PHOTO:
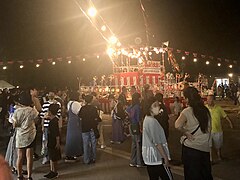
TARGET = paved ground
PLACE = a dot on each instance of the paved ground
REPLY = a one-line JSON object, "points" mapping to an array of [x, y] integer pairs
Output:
{"points": [[112, 162]]}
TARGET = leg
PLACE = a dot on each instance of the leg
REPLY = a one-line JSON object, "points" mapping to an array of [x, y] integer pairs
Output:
{"points": [[86, 139], [139, 158], [29, 155], [153, 172], [93, 146], [192, 163], [133, 159], [20, 161], [206, 169], [53, 166]]}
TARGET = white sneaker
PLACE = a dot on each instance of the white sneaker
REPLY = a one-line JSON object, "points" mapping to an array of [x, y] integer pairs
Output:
{"points": [[45, 160], [103, 146]]}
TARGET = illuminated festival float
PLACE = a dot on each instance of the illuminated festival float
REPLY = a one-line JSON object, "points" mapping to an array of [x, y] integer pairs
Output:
{"points": [[140, 64]]}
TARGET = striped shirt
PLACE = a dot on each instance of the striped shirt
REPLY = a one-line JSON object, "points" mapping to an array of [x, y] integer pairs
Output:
{"points": [[45, 108]]}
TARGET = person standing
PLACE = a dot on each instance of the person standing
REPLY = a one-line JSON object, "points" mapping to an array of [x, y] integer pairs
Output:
{"points": [[195, 124], [162, 116], [45, 123], [37, 105], [123, 96], [89, 117], [217, 113], [154, 147], [24, 122], [118, 115], [54, 147], [134, 113], [74, 142]]}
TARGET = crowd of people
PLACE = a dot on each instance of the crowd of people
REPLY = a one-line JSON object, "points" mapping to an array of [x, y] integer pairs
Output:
{"points": [[145, 119]]}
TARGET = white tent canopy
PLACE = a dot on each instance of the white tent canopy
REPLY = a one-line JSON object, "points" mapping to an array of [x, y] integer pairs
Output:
{"points": [[4, 84]]}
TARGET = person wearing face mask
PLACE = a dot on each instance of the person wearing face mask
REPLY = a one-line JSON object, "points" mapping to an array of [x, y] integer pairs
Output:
{"points": [[155, 150]]}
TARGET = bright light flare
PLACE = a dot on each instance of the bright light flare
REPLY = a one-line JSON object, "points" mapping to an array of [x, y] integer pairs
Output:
{"points": [[69, 62], [103, 28], [183, 58], [219, 64], [84, 59], [230, 75], [37, 65], [113, 40], [195, 60], [207, 62], [110, 51], [53, 63], [230, 66], [92, 12], [21, 66], [4, 67]]}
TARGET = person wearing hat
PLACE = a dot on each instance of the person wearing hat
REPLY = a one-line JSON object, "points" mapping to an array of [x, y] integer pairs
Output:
{"points": [[217, 113], [24, 122]]}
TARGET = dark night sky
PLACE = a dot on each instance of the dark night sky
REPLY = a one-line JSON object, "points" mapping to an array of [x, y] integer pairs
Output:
{"points": [[57, 28]]}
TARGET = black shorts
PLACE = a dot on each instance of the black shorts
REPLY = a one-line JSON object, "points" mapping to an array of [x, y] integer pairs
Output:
{"points": [[54, 154]]}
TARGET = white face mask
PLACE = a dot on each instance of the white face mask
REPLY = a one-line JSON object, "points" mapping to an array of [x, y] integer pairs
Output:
{"points": [[155, 110]]}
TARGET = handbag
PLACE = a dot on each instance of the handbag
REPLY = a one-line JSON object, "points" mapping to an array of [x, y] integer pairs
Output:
{"points": [[135, 129], [96, 133]]}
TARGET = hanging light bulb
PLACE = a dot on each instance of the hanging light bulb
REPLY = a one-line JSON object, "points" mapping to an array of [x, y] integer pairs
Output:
{"points": [[183, 57], [4, 67], [84, 59], [103, 28], [230, 66], [98, 56], [37, 65], [207, 62], [53, 63], [69, 62], [219, 64], [21, 66], [195, 60]]}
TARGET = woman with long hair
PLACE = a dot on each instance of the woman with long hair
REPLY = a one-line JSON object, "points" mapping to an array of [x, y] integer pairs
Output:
{"points": [[195, 124]]}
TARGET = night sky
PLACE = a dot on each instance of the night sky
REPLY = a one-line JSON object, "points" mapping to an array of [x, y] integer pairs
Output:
{"points": [[41, 29]]}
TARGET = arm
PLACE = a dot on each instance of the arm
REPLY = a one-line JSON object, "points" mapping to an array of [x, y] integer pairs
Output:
{"points": [[179, 125], [163, 154], [58, 142], [229, 121]]}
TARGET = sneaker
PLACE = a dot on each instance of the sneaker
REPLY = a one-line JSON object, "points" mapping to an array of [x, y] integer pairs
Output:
{"points": [[132, 165], [103, 146], [70, 159], [53, 175], [140, 166], [45, 160], [46, 175]]}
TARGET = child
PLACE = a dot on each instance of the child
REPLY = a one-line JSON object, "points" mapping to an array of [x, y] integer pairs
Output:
{"points": [[53, 141]]}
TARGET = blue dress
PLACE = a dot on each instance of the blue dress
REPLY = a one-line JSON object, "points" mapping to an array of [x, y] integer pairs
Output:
{"points": [[74, 141]]}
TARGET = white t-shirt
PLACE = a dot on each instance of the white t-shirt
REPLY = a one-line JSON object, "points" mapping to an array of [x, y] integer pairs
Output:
{"points": [[201, 140], [76, 106], [153, 134]]}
